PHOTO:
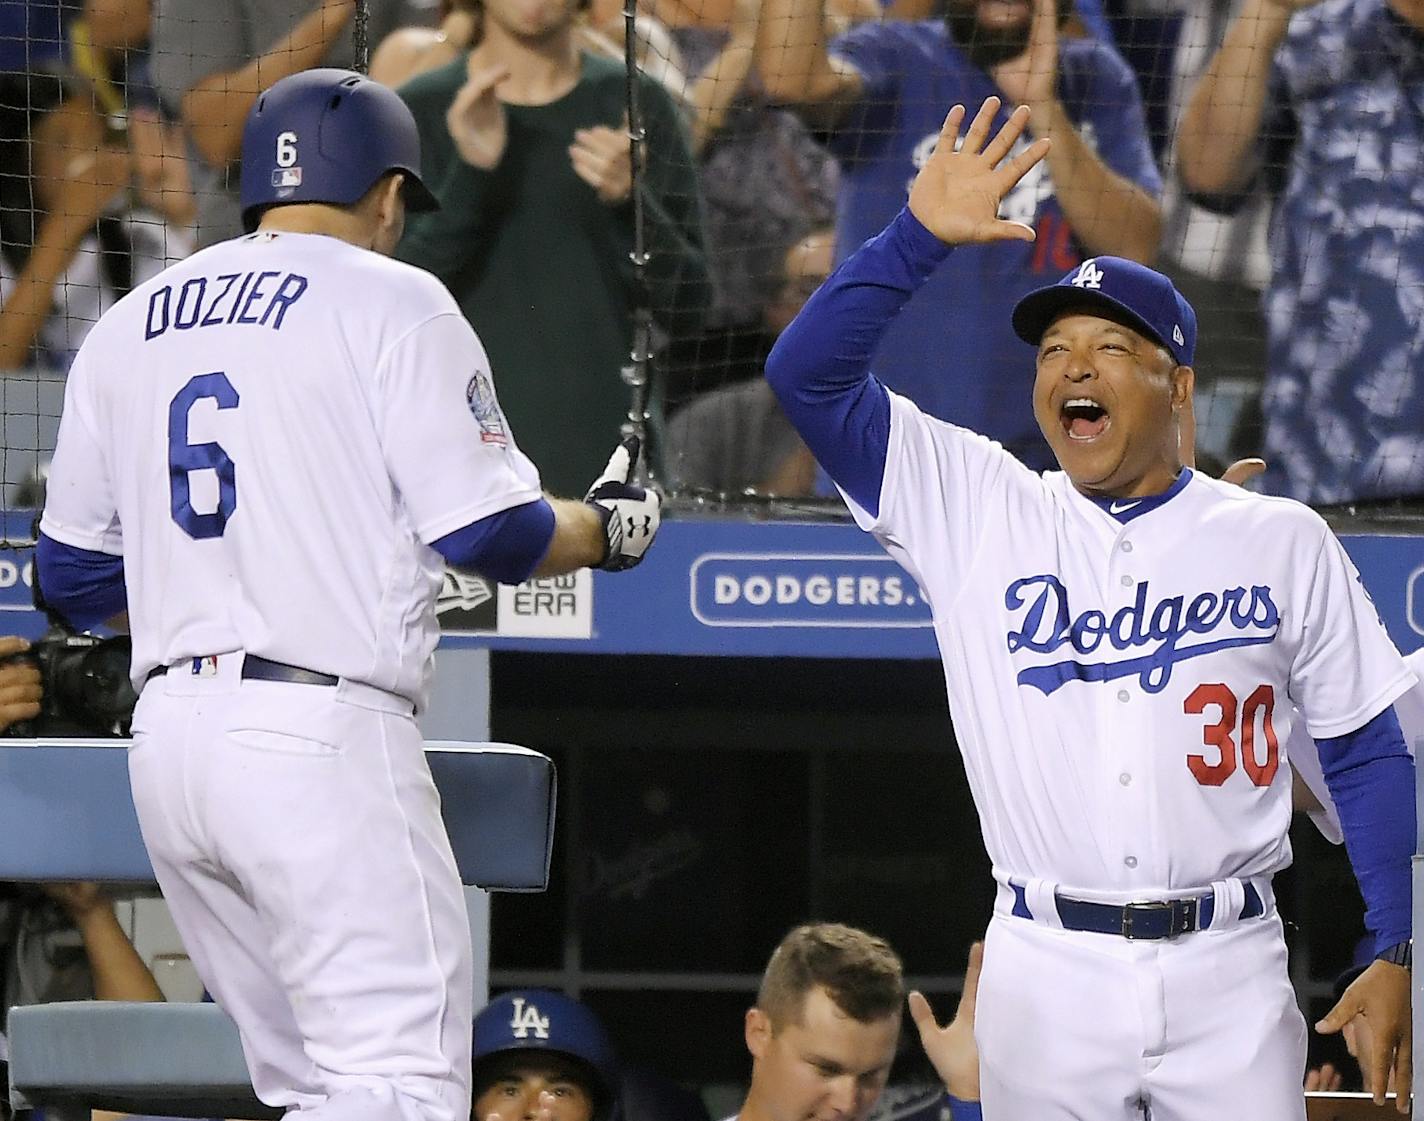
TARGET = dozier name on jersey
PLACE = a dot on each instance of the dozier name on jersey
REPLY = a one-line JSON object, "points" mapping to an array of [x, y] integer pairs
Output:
{"points": [[1047, 625]]}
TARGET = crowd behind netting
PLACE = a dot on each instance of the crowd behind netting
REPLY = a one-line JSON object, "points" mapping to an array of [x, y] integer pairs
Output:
{"points": [[1267, 154]]}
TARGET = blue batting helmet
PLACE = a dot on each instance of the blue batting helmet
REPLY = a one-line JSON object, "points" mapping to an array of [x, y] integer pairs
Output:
{"points": [[327, 135], [538, 1020]]}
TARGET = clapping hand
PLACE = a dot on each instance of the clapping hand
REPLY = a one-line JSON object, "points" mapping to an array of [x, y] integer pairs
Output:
{"points": [[476, 118], [602, 158]]}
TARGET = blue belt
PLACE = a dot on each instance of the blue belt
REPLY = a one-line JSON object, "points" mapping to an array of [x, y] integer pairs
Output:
{"points": [[1164, 919], [264, 669]]}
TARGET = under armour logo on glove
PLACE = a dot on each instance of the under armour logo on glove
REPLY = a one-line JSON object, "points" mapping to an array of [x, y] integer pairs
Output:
{"points": [[631, 514]]}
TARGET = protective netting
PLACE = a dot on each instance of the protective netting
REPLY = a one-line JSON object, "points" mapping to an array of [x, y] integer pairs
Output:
{"points": [[1266, 154]]}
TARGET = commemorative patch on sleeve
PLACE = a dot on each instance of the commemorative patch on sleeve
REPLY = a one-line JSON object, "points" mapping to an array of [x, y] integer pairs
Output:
{"points": [[484, 407]]}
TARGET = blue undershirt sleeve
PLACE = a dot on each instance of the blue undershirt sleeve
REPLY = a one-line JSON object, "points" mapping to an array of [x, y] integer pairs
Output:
{"points": [[505, 547], [83, 586], [1370, 777], [962, 1110], [819, 368]]}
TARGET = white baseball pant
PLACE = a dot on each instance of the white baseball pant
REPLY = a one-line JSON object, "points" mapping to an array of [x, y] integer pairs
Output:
{"points": [[1094, 1027], [297, 838]]}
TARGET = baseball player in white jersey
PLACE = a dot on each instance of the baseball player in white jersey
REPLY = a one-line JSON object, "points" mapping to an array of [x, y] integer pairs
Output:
{"points": [[1126, 644], [267, 453]]}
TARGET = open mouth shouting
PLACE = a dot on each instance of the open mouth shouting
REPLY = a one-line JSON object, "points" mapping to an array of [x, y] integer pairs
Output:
{"points": [[1083, 419]]}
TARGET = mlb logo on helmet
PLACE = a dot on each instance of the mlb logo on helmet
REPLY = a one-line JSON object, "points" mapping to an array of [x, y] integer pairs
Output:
{"points": [[287, 177], [526, 1018]]}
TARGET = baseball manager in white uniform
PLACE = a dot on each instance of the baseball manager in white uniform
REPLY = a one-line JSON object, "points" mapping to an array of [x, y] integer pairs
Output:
{"points": [[1126, 644], [267, 454]]}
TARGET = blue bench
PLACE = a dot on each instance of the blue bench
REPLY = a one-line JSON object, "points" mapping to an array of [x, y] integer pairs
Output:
{"points": [[66, 814]]}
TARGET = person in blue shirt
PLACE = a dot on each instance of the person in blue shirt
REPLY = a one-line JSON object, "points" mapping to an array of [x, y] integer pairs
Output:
{"points": [[881, 91]]}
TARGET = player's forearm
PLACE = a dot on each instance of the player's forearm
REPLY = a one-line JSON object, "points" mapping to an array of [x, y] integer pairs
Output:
{"points": [[793, 58], [1108, 213], [1219, 131], [579, 539], [1370, 776], [119, 973], [216, 109]]}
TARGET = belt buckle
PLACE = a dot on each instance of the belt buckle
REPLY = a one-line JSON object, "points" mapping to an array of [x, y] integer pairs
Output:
{"points": [[1131, 910]]}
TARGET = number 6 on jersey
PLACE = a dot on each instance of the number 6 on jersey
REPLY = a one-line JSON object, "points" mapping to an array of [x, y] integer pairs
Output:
{"points": [[185, 458]]}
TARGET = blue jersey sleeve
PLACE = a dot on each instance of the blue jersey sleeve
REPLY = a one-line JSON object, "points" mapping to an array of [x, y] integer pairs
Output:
{"points": [[962, 1110], [1370, 776], [84, 586], [820, 366], [505, 547]]}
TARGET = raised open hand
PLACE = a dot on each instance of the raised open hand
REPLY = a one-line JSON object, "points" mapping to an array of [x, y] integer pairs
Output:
{"points": [[957, 193]]}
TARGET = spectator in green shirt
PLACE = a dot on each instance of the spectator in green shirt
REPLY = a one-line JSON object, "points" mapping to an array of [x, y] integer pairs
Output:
{"points": [[524, 143]]}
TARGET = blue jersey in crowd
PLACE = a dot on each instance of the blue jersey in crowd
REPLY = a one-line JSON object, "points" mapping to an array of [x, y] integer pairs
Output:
{"points": [[1344, 400], [968, 366], [31, 35]]}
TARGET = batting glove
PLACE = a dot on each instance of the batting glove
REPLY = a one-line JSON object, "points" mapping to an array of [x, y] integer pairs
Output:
{"points": [[631, 514]]}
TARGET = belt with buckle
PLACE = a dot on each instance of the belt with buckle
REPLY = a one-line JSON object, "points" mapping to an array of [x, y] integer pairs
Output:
{"points": [[255, 668], [1166, 918]]}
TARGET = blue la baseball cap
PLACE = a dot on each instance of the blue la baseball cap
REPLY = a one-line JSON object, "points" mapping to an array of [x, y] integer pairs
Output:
{"points": [[1143, 297], [539, 1020]]}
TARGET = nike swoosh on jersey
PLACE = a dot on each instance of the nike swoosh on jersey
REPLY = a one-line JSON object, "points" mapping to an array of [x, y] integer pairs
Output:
{"points": [[1114, 508]]}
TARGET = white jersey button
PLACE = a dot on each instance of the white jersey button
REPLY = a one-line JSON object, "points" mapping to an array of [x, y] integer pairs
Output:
{"points": [[1124, 696], [1127, 581], [1127, 546], [1130, 861], [1125, 779]]}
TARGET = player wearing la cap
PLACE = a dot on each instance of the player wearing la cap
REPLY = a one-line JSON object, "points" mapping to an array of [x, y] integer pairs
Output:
{"points": [[1120, 640], [266, 455], [538, 1054]]}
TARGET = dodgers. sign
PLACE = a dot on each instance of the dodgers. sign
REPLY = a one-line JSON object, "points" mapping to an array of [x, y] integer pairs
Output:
{"points": [[789, 589]]}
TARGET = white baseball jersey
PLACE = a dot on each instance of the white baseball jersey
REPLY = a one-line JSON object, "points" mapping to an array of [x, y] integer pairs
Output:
{"points": [[1123, 690], [1305, 760], [271, 433]]}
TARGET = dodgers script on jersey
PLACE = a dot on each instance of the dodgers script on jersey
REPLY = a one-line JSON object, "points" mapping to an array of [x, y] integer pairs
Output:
{"points": [[216, 414], [1123, 676]]}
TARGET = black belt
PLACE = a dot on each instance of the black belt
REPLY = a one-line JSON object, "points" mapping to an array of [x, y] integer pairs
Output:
{"points": [[1165, 919], [264, 669], [1150, 921]]}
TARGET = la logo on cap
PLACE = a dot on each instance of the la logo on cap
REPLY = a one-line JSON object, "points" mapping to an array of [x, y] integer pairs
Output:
{"points": [[526, 1018], [1088, 275], [1177, 335]]}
